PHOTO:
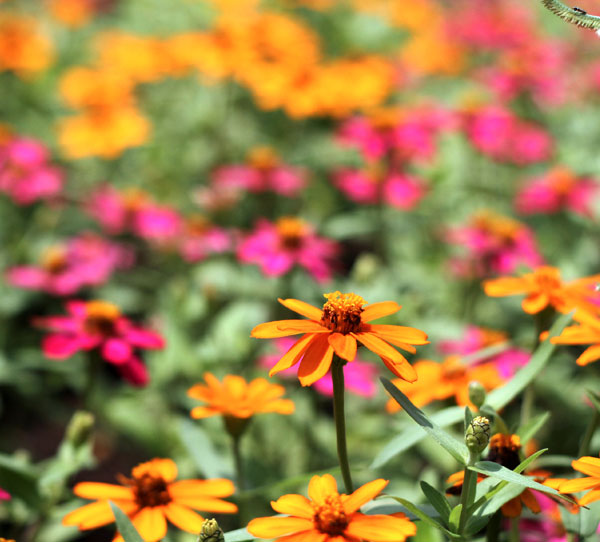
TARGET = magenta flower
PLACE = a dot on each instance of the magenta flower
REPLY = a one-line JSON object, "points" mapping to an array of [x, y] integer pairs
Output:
{"points": [[559, 189], [86, 260], [25, 174], [4, 495], [398, 190], [262, 172], [476, 338], [547, 526], [493, 245], [360, 377], [277, 247], [499, 134], [202, 239], [98, 325]]}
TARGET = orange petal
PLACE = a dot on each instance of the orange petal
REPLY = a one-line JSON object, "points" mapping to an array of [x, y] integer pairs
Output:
{"points": [[94, 514], [281, 406], [203, 412], [513, 508], [278, 526], [590, 497], [165, 468], [535, 303], [98, 490], [285, 328], [292, 356], [380, 528], [393, 359], [588, 465], [577, 335], [530, 501], [589, 355], [402, 369], [403, 334], [302, 308], [294, 505], [363, 495], [579, 484], [310, 536], [379, 310], [190, 489], [184, 518], [151, 523], [316, 361], [343, 345], [208, 504], [320, 487], [505, 286]]}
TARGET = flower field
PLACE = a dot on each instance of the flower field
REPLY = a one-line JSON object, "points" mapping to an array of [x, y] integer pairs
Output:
{"points": [[299, 270]]}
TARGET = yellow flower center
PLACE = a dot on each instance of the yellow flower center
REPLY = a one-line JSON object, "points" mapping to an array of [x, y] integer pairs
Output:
{"points": [[330, 517], [100, 317], [291, 231], [54, 259], [341, 312], [263, 158], [504, 449]]}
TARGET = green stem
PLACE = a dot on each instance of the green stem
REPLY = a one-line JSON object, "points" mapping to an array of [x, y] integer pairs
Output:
{"points": [[514, 530], [467, 494], [493, 528], [337, 375], [239, 476]]}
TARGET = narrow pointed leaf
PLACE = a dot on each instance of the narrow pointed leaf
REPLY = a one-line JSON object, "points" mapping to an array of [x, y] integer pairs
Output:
{"points": [[468, 418], [528, 431], [437, 500], [454, 518], [124, 525], [423, 516]]}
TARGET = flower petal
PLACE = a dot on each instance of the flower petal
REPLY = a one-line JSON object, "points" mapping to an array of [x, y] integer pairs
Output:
{"points": [[200, 412], [343, 345], [94, 514], [379, 310], [302, 308], [529, 500], [380, 528], [589, 355], [579, 484], [513, 508], [402, 334], [535, 303], [316, 361], [308, 536], [273, 527], [294, 505], [592, 496], [505, 286], [393, 359], [151, 523], [208, 504], [184, 518], [116, 350], [189, 489], [285, 328], [98, 490], [320, 487], [292, 356], [588, 465], [363, 495]]}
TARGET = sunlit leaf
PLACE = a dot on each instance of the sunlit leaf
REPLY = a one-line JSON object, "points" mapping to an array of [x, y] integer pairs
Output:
{"points": [[124, 525]]}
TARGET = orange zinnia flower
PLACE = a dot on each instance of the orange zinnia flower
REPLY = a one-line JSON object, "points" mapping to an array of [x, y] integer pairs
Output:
{"points": [[439, 381], [544, 288], [586, 333], [591, 467], [237, 398], [331, 517], [336, 328], [150, 498]]}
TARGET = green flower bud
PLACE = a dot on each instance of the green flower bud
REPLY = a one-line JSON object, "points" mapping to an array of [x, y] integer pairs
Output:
{"points": [[478, 434], [211, 532], [476, 393], [80, 428]]}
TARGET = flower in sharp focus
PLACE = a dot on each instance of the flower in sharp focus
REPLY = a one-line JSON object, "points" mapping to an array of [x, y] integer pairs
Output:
{"points": [[150, 498], [545, 288], [587, 332], [328, 516], [99, 325], [236, 398], [590, 466], [336, 328]]}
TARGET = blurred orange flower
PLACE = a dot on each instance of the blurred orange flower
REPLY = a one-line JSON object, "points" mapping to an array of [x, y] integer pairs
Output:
{"points": [[591, 467], [89, 87], [439, 381], [151, 497], [24, 49], [236, 398], [328, 516], [588, 332], [336, 328], [72, 13]]}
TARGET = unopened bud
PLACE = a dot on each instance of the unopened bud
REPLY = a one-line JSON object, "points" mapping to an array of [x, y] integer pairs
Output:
{"points": [[211, 532], [476, 393], [478, 434], [80, 427]]}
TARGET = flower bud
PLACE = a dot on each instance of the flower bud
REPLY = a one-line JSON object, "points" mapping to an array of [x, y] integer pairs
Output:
{"points": [[476, 393], [211, 532], [478, 434], [80, 428]]}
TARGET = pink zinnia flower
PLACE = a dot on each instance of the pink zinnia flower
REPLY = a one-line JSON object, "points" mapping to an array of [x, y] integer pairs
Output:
{"points": [[201, 239], [4, 495], [86, 260], [559, 189], [547, 527], [494, 245], [262, 172], [99, 325], [477, 338], [359, 376], [290, 241], [25, 174], [399, 190]]}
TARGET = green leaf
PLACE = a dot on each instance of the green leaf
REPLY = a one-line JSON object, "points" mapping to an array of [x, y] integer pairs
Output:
{"points": [[500, 397], [468, 418], [414, 434], [124, 525], [456, 449], [454, 518], [20, 480], [526, 462], [505, 492], [585, 523], [239, 535], [199, 445], [528, 431], [437, 500], [594, 398], [424, 517]]}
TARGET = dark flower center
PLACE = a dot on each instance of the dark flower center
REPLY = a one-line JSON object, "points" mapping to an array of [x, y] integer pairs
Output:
{"points": [[342, 312], [330, 517], [149, 490]]}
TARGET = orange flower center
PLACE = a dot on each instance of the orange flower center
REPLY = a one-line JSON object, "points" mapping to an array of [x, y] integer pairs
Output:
{"points": [[490, 337], [506, 229], [54, 259], [562, 180], [504, 449], [330, 517], [291, 231], [263, 158], [453, 368], [547, 279], [100, 317], [341, 312], [133, 199], [149, 490]]}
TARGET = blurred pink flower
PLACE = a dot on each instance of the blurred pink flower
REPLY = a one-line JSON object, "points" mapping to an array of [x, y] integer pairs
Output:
{"points": [[477, 338], [559, 189], [262, 172], [25, 174], [86, 260], [4, 495], [290, 241], [493, 245], [359, 376], [547, 526], [99, 325], [202, 239], [501, 135], [399, 190]]}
